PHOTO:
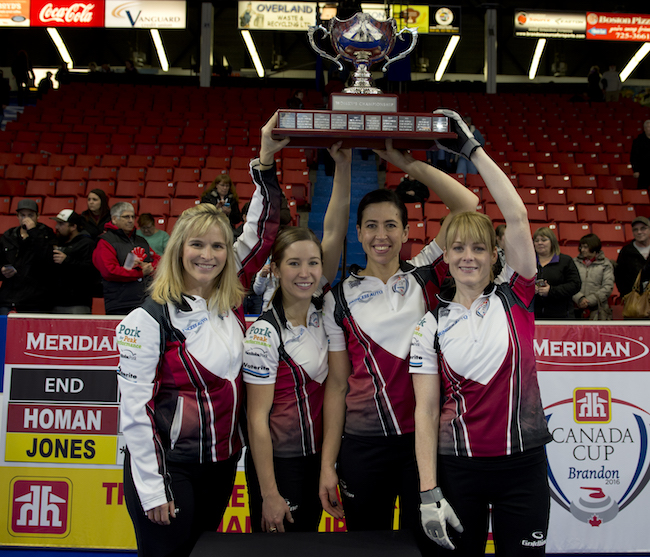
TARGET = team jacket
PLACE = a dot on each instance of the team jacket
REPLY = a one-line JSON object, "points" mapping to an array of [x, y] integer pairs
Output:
{"points": [[180, 367], [374, 322], [491, 402], [295, 360]]}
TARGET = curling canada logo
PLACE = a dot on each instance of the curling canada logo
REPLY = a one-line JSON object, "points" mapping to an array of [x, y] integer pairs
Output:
{"points": [[598, 461]]}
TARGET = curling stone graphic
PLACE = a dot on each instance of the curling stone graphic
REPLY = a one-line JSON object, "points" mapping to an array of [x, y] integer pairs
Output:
{"points": [[594, 507]]}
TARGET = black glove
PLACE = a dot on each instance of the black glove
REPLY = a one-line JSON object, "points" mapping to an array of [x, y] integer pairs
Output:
{"points": [[465, 144]]}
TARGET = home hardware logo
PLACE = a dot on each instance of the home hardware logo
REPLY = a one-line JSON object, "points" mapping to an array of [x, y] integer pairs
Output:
{"points": [[598, 462], [40, 507]]}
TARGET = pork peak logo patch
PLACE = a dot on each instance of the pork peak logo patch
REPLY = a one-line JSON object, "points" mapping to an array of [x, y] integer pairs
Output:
{"points": [[401, 286], [598, 461]]}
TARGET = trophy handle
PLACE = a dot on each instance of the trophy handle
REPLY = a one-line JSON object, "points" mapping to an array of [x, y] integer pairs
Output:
{"points": [[312, 31], [414, 39]]}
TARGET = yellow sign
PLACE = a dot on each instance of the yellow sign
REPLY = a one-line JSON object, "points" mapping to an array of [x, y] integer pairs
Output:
{"points": [[408, 15], [64, 449], [65, 507]]}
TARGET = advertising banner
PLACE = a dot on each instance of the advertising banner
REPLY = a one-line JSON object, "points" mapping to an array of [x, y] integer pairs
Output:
{"points": [[67, 13], [550, 25], [146, 14], [14, 13], [594, 382], [61, 450], [618, 27], [276, 16]]}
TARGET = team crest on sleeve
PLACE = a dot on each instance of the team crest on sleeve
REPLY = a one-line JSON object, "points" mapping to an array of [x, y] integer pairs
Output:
{"points": [[401, 286], [483, 308]]}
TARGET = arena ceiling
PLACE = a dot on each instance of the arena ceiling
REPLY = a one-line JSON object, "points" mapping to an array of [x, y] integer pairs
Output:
{"points": [[114, 46]]}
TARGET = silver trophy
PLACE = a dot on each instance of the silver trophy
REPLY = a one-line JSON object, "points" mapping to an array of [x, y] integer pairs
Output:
{"points": [[363, 41]]}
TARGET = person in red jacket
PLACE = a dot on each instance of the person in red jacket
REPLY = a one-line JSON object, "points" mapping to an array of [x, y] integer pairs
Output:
{"points": [[125, 261]]}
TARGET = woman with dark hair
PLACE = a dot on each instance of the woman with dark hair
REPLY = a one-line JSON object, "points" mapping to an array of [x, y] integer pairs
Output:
{"points": [[597, 277], [368, 445], [285, 380], [180, 369], [557, 278], [222, 193], [480, 428], [97, 214]]}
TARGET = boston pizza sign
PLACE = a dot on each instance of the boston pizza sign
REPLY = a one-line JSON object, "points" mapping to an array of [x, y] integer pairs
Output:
{"points": [[66, 13]]}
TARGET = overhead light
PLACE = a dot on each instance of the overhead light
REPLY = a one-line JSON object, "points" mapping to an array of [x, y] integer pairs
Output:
{"points": [[160, 49], [449, 52], [60, 45], [250, 45], [635, 61], [541, 43]]}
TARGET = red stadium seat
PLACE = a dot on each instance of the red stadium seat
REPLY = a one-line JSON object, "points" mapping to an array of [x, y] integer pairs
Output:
{"points": [[592, 213], [609, 197], [635, 197], [160, 174], [75, 173], [621, 213], [103, 173], [179, 204], [187, 174], [569, 233], [192, 190], [581, 196], [555, 181], [129, 188], [54, 205], [159, 189], [66, 188], [561, 213], [155, 206], [40, 188], [610, 234], [417, 232], [114, 160], [554, 196]]}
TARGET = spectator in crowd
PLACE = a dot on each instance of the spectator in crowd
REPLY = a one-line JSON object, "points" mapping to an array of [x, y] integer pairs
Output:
{"points": [[222, 193], [597, 276], [157, 239], [5, 92], [125, 261], [296, 100], [97, 214], [92, 67], [594, 90], [500, 232], [23, 73], [74, 272], [412, 191], [45, 84], [265, 285], [26, 263], [611, 83], [129, 68], [633, 256], [640, 157], [464, 165], [557, 278]]}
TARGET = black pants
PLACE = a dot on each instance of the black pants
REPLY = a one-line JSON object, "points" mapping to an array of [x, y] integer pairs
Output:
{"points": [[372, 472], [517, 488], [297, 480], [200, 491]]}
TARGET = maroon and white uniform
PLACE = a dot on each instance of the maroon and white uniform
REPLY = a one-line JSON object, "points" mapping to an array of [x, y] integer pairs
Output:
{"points": [[294, 359], [491, 401], [374, 321], [180, 366]]}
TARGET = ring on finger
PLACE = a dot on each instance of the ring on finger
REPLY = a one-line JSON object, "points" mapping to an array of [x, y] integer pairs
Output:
{"points": [[273, 529]]}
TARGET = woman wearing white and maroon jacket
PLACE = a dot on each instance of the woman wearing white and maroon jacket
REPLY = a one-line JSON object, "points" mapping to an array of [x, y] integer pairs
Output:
{"points": [[286, 370], [180, 369]]}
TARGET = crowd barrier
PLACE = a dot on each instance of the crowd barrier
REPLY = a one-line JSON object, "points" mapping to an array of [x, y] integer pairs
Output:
{"points": [[61, 450]]}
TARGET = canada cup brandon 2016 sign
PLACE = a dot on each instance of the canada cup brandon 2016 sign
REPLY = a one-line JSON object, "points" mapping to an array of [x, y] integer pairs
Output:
{"points": [[594, 382]]}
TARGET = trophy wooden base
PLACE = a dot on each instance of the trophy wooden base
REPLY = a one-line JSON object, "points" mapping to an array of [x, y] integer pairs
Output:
{"points": [[323, 128]]}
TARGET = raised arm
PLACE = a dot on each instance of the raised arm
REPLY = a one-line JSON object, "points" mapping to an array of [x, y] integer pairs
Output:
{"points": [[335, 224], [518, 244], [452, 193]]}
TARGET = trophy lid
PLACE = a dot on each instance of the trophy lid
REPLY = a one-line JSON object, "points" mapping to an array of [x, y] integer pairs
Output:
{"points": [[362, 33]]}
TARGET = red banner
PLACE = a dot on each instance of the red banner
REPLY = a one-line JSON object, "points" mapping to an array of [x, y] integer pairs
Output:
{"points": [[67, 13], [618, 27]]}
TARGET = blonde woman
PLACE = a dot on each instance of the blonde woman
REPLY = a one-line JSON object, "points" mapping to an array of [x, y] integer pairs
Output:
{"points": [[479, 422], [180, 369]]}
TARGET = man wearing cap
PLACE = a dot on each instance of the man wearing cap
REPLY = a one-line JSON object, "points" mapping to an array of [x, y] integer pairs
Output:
{"points": [[633, 256], [74, 273], [125, 261], [26, 263]]}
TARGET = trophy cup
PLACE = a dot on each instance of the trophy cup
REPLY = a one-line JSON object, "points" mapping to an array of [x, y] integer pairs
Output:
{"points": [[362, 116]]}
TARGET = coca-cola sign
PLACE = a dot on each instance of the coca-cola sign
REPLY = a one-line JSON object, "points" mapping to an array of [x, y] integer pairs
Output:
{"points": [[65, 13]]}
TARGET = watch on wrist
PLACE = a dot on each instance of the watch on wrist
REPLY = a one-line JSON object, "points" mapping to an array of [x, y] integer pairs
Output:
{"points": [[431, 496]]}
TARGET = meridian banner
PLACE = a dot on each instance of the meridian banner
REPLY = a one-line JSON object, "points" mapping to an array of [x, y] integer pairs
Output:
{"points": [[61, 450]]}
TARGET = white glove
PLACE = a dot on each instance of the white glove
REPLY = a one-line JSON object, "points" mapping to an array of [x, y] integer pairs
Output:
{"points": [[465, 144], [435, 513]]}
